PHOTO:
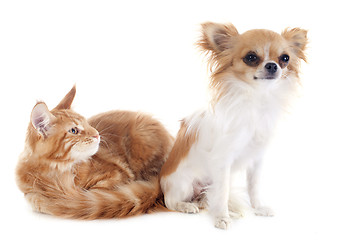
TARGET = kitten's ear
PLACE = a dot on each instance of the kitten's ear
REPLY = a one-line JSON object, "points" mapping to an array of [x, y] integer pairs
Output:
{"points": [[66, 102], [217, 37], [298, 40], [41, 118]]}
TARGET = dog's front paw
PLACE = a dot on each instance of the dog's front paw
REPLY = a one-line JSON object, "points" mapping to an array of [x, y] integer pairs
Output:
{"points": [[222, 222], [264, 211], [236, 214]]}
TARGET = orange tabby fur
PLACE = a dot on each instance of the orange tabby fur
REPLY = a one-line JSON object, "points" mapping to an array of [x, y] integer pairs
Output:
{"points": [[119, 180]]}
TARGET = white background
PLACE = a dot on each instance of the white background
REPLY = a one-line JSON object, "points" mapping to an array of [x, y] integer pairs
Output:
{"points": [[140, 55]]}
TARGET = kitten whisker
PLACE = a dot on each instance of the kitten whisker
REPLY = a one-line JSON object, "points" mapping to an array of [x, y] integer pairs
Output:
{"points": [[103, 141], [96, 127], [110, 134]]}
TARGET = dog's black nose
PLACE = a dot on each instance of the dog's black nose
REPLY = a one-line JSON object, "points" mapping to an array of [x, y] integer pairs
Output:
{"points": [[271, 67]]}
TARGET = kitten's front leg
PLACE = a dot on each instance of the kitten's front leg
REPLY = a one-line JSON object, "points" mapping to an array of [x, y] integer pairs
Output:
{"points": [[217, 196], [37, 202], [253, 177]]}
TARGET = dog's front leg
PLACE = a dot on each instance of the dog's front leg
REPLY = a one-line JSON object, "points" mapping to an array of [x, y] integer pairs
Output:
{"points": [[253, 177], [217, 196]]}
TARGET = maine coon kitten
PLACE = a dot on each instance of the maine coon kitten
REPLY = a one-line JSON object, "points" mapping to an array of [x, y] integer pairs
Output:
{"points": [[106, 167]]}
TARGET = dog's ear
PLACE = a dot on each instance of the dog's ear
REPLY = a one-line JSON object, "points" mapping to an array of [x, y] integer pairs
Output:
{"points": [[217, 37], [297, 39]]}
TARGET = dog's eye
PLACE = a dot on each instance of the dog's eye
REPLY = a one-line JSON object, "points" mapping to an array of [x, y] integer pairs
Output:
{"points": [[284, 60], [251, 59], [74, 130]]}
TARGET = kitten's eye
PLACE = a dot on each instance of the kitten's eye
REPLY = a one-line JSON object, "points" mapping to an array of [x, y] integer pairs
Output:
{"points": [[284, 60], [74, 130], [251, 59]]}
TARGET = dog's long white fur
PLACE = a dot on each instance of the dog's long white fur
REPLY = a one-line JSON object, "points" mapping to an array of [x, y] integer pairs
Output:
{"points": [[232, 135]]}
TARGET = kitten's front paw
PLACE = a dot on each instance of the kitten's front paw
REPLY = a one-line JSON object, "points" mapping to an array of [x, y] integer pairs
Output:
{"points": [[222, 222], [187, 207], [264, 211]]}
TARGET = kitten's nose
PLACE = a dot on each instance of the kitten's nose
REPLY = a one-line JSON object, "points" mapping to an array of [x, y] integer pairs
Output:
{"points": [[96, 136], [271, 67]]}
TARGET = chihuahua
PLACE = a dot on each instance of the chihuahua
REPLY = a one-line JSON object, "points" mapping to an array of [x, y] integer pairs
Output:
{"points": [[254, 74]]}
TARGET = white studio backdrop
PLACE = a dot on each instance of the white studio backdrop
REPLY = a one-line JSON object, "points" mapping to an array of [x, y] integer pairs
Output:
{"points": [[141, 56]]}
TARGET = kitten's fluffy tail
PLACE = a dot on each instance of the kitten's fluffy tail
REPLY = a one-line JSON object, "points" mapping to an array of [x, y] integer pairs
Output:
{"points": [[69, 201]]}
